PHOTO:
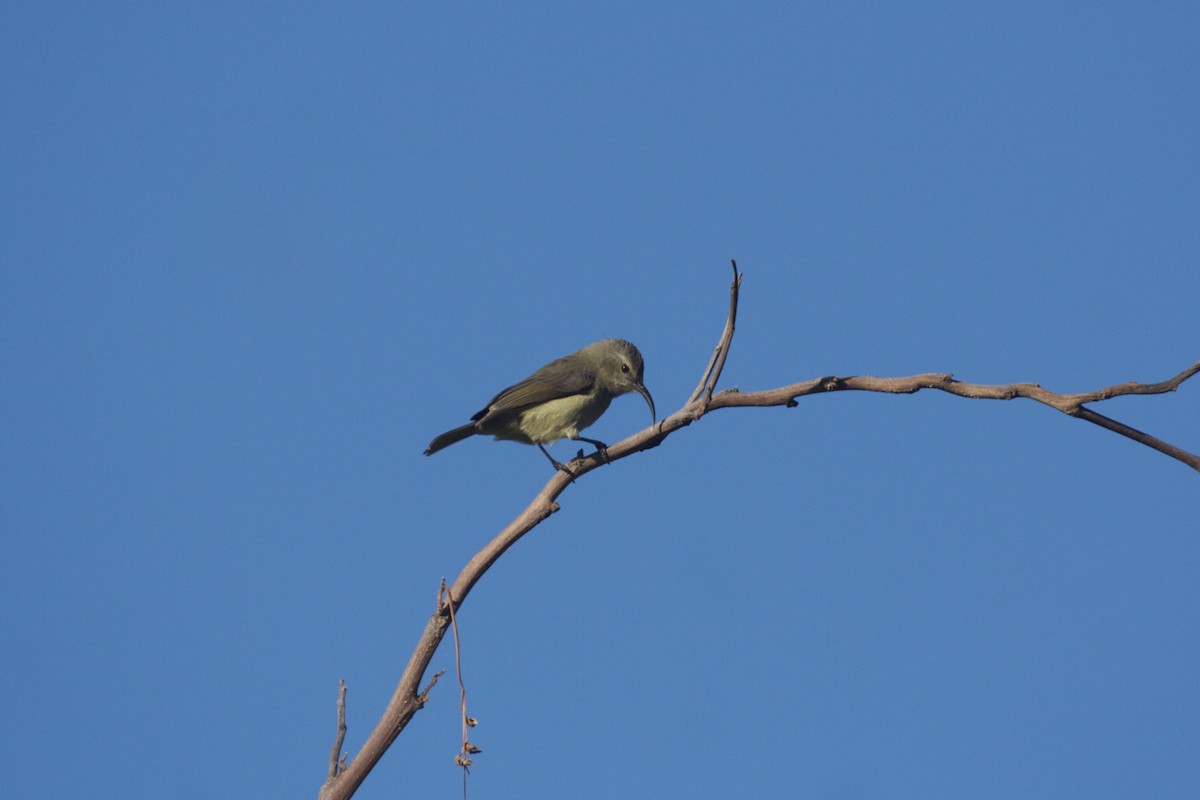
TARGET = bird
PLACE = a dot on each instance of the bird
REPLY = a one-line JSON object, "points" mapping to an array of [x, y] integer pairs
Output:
{"points": [[559, 400]]}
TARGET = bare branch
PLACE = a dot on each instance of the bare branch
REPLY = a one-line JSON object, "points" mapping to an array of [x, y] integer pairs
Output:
{"points": [[1069, 404], [406, 700]]}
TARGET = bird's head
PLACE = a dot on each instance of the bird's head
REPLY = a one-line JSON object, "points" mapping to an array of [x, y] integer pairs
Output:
{"points": [[620, 369]]}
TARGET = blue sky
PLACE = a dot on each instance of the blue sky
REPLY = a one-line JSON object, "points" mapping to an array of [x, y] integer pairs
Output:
{"points": [[257, 255]]}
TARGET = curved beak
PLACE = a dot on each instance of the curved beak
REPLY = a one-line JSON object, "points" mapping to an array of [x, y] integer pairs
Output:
{"points": [[644, 392]]}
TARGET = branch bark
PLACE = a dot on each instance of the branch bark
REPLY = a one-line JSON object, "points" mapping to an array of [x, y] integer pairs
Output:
{"points": [[343, 780]]}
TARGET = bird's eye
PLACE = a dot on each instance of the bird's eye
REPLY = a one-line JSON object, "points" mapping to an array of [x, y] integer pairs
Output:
{"points": [[624, 368]]}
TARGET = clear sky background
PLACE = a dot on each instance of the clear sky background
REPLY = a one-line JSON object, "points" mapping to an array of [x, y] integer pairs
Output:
{"points": [[257, 255]]}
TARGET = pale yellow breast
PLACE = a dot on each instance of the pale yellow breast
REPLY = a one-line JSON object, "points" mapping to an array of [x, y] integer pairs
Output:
{"points": [[563, 418]]}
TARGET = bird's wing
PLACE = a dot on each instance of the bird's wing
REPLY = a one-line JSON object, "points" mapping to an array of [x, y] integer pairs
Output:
{"points": [[534, 390]]}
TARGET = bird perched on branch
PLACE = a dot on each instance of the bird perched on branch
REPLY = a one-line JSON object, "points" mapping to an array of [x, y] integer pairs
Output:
{"points": [[559, 400]]}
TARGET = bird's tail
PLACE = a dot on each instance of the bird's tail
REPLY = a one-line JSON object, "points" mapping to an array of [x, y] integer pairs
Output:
{"points": [[450, 437]]}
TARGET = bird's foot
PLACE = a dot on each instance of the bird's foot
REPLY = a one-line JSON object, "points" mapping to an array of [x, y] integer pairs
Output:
{"points": [[558, 465]]}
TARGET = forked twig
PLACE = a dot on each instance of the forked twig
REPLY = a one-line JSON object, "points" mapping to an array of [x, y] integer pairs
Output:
{"points": [[712, 373], [1070, 404]]}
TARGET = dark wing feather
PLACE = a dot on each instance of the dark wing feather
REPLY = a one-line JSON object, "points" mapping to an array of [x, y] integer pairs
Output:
{"points": [[542, 386]]}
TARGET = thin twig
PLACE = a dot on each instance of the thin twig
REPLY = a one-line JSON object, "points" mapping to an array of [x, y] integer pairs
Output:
{"points": [[712, 372], [423, 697], [1142, 438], [463, 759], [341, 731], [727, 338]]}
